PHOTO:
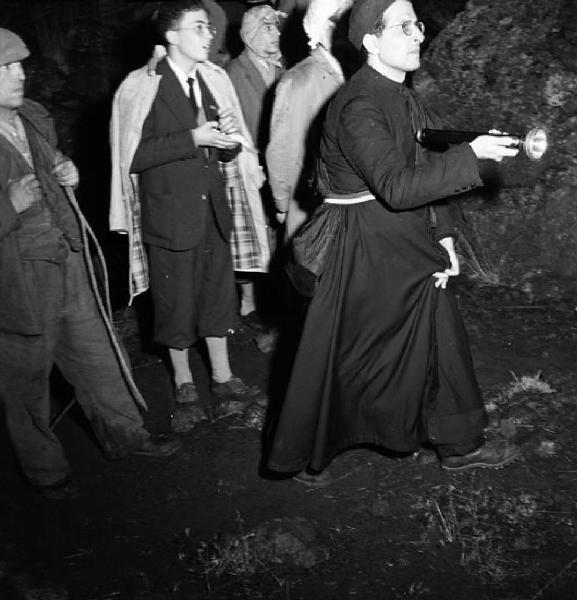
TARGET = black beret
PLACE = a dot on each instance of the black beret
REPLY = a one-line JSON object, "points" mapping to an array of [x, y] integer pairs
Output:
{"points": [[364, 15]]}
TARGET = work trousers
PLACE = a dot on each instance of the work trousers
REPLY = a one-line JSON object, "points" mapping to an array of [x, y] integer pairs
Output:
{"points": [[75, 339]]}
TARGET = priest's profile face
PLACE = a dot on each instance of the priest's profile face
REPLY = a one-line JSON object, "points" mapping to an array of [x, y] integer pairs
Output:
{"points": [[395, 49]]}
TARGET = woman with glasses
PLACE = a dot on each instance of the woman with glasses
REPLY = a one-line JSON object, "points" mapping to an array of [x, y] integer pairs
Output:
{"points": [[384, 357]]}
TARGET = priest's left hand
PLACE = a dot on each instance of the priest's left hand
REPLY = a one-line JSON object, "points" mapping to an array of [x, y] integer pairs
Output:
{"points": [[442, 277]]}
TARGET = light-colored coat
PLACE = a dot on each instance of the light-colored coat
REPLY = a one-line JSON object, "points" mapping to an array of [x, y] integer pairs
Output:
{"points": [[301, 96]]}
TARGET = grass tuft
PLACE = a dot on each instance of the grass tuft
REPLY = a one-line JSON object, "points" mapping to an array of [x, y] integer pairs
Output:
{"points": [[486, 527], [230, 554], [483, 271], [523, 386]]}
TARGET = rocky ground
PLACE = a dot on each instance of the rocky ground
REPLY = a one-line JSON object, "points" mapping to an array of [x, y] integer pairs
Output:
{"points": [[208, 524]]}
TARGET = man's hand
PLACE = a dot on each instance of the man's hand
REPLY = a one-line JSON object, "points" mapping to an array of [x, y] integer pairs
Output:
{"points": [[227, 122], [24, 192], [66, 173], [442, 277], [493, 147], [209, 135]]}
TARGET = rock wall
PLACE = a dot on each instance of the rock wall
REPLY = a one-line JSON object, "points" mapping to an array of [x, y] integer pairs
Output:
{"points": [[513, 65]]}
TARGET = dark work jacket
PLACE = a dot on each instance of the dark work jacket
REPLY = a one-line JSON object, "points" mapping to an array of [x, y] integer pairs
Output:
{"points": [[18, 308], [179, 184]]}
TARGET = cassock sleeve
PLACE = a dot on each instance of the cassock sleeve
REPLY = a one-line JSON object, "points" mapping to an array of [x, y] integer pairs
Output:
{"points": [[367, 142]]}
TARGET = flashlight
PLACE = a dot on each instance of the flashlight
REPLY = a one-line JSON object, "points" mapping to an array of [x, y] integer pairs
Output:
{"points": [[534, 143]]}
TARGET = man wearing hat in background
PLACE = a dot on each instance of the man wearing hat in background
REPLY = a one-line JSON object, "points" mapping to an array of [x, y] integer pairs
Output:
{"points": [[384, 357], [257, 68], [48, 312], [254, 73]]}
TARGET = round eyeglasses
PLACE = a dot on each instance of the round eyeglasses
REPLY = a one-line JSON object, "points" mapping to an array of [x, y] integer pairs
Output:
{"points": [[200, 28], [409, 27]]}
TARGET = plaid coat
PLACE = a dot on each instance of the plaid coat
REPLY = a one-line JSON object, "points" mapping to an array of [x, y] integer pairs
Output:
{"points": [[250, 245]]}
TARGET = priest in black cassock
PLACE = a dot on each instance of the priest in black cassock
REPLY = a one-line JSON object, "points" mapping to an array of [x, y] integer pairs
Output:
{"points": [[384, 357]]}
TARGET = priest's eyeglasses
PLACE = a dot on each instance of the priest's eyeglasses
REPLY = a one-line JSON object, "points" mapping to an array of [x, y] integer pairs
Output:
{"points": [[200, 28], [409, 27]]}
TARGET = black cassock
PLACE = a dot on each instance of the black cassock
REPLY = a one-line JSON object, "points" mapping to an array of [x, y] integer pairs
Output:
{"points": [[384, 357]]}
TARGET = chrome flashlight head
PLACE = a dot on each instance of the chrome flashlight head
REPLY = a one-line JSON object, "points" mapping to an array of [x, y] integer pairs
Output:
{"points": [[535, 143]]}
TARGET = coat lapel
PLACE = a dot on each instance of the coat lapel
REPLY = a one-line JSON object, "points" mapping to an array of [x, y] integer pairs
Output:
{"points": [[208, 102], [171, 93], [21, 163], [251, 74]]}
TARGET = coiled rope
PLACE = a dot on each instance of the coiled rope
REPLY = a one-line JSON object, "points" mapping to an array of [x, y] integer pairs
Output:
{"points": [[102, 297]]}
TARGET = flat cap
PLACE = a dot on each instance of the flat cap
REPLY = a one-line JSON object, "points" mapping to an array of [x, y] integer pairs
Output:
{"points": [[12, 48], [364, 15]]}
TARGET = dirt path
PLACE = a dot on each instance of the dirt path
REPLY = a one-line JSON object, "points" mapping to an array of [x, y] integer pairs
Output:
{"points": [[205, 524]]}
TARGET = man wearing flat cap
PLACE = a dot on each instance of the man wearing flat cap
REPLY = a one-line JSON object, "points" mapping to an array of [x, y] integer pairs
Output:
{"points": [[48, 311], [384, 357]]}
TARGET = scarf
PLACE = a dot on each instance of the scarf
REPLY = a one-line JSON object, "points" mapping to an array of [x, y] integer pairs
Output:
{"points": [[254, 36]]}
